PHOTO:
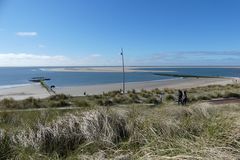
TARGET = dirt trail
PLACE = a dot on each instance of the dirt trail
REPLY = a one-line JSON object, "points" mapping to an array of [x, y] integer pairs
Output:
{"points": [[38, 109], [224, 101]]}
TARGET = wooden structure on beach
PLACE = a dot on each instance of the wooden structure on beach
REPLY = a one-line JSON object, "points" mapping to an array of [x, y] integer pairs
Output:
{"points": [[39, 79]]}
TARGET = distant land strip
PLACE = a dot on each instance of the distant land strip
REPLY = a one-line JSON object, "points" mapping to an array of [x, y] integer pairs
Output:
{"points": [[186, 75], [103, 69]]}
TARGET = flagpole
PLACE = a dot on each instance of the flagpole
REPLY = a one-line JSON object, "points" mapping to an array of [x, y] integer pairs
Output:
{"points": [[123, 87]]}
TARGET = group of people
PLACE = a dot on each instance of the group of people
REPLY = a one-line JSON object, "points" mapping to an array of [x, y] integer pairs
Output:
{"points": [[182, 97]]}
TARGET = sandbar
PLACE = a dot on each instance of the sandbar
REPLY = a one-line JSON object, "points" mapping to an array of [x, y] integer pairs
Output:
{"points": [[105, 69]]}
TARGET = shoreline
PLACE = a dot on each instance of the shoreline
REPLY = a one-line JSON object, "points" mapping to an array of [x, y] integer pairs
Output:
{"points": [[14, 85], [37, 91]]}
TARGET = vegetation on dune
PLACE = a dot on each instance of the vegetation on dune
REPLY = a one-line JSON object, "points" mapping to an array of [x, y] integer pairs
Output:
{"points": [[132, 130], [9, 103], [178, 132], [214, 91], [67, 133], [154, 97]]}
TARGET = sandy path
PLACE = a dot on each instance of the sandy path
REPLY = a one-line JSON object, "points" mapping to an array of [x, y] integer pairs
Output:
{"points": [[40, 109], [224, 101]]}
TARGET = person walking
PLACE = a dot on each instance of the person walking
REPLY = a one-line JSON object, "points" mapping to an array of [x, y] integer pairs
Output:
{"points": [[184, 98], [180, 96], [161, 97]]}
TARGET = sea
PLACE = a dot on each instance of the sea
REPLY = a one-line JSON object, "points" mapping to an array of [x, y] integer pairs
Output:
{"points": [[19, 76]]}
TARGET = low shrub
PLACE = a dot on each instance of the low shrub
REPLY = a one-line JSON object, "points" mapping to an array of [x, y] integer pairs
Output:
{"points": [[193, 99], [123, 99], [204, 97], [59, 97], [170, 97], [108, 102], [154, 100], [9, 103], [232, 95], [60, 103], [105, 102], [31, 103], [82, 103], [134, 98], [169, 91], [145, 94]]}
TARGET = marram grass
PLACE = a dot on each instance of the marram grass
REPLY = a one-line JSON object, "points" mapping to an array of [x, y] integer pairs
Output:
{"points": [[201, 131], [133, 130]]}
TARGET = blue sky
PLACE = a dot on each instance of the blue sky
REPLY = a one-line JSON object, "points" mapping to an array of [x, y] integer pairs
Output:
{"points": [[92, 32]]}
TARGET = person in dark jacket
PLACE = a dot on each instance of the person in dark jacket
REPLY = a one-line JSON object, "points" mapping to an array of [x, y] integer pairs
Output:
{"points": [[184, 98], [180, 96]]}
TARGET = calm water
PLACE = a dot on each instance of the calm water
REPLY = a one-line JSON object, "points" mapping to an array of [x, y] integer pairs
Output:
{"points": [[18, 76], [225, 72]]}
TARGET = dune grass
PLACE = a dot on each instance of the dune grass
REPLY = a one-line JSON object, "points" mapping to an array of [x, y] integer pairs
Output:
{"points": [[101, 129], [131, 97], [200, 130]]}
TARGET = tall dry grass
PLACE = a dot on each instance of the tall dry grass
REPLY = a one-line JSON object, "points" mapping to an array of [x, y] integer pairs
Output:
{"points": [[200, 131], [67, 133]]}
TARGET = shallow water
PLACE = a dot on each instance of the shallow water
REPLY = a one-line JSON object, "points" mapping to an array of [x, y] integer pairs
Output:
{"points": [[12, 76]]}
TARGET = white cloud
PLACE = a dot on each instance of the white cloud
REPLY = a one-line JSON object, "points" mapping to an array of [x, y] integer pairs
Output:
{"points": [[41, 46], [26, 34], [95, 55], [191, 58], [30, 59], [24, 59]]}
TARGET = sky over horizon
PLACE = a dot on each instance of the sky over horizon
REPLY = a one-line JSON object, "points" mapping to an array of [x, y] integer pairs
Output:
{"points": [[92, 32]]}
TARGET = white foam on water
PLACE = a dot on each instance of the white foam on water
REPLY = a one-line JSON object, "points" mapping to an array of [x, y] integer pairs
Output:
{"points": [[43, 69], [14, 86]]}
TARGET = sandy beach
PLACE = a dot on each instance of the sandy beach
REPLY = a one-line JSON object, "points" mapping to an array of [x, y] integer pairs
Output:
{"points": [[37, 91], [23, 92], [148, 85]]}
